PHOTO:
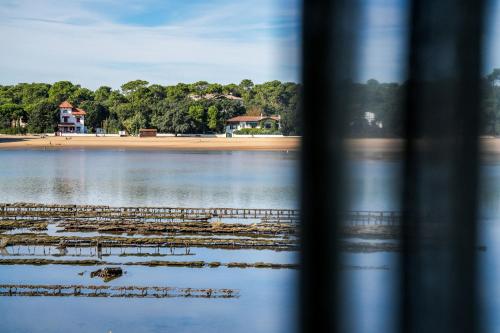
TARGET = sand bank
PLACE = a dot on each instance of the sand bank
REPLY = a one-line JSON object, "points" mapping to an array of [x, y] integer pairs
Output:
{"points": [[363, 147], [160, 143]]}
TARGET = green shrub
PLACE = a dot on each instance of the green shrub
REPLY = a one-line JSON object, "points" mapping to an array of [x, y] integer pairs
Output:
{"points": [[13, 130], [257, 131]]}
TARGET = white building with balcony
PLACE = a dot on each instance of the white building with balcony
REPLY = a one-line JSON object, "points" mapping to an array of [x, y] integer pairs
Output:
{"points": [[71, 119]]}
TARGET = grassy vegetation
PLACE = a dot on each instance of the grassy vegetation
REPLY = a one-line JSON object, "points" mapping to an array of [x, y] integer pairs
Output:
{"points": [[257, 131]]}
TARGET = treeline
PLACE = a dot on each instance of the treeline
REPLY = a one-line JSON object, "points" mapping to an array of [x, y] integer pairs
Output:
{"points": [[200, 107], [377, 108]]}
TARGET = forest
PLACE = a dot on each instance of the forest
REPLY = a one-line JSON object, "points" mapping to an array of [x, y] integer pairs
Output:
{"points": [[199, 107], [202, 107]]}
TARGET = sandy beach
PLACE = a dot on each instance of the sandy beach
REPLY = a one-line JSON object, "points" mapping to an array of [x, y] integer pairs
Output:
{"points": [[160, 143], [373, 147], [488, 145]]}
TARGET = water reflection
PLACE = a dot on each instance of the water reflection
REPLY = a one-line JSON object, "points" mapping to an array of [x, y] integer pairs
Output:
{"points": [[113, 177], [154, 178]]}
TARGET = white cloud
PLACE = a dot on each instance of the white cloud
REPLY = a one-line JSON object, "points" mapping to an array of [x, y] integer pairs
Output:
{"points": [[47, 41]]}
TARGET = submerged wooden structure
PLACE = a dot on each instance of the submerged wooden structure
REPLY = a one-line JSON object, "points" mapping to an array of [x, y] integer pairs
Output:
{"points": [[181, 214], [109, 291], [147, 213], [164, 242], [63, 231]]}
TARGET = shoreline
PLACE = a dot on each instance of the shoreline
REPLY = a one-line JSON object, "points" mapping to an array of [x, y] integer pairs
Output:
{"points": [[367, 147], [15, 142]]}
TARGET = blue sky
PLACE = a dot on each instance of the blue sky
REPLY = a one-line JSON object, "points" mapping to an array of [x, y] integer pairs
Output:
{"points": [[109, 42], [383, 39]]}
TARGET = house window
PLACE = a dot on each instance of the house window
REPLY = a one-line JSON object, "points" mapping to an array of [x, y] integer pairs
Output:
{"points": [[65, 119], [253, 124], [77, 119]]}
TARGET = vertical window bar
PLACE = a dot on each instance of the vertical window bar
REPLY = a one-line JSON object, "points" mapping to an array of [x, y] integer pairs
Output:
{"points": [[328, 60], [441, 167]]}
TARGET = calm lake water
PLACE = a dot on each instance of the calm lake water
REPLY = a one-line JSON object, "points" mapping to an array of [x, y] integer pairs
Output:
{"points": [[210, 179], [154, 178], [150, 178]]}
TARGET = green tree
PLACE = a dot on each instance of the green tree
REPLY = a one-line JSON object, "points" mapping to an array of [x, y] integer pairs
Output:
{"points": [[43, 117], [199, 88], [246, 85], [10, 112], [213, 118], [61, 91], [112, 125], [214, 88], [134, 123], [102, 94], [136, 104], [81, 95], [171, 118], [490, 117], [197, 114], [96, 114], [134, 86]]}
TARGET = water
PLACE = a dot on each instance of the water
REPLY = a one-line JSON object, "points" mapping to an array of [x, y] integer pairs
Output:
{"points": [[152, 178], [225, 179], [371, 300], [238, 179]]}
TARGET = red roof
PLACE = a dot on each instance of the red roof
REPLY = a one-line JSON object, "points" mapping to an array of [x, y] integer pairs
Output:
{"points": [[251, 118], [65, 104], [77, 111]]}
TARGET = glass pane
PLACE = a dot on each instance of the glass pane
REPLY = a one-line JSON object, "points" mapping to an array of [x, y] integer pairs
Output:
{"points": [[148, 176]]}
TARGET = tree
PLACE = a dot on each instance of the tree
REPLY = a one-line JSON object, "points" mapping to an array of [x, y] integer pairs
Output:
{"points": [[81, 95], [199, 88], [43, 117], [490, 120], [123, 111], [134, 86], [112, 125], [232, 89], [178, 92], [170, 117], [213, 118], [61, 91], [30, 93], [214, 88], [11, 112], [135, 104], [197, 114], [96, 114], [102, 94], [246, 85], [135, 123], [228, 108]]}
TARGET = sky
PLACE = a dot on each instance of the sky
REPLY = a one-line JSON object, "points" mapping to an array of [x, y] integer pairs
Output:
{"points": [[110, 42]]}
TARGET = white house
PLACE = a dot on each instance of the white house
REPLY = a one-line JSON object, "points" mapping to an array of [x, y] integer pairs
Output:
{"points": [[71, 119], [371, 120], [240, 122]]}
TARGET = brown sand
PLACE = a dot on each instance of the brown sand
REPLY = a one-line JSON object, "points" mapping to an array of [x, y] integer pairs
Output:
{"points": [[488, 145], [160, 143], [362, 147]]}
